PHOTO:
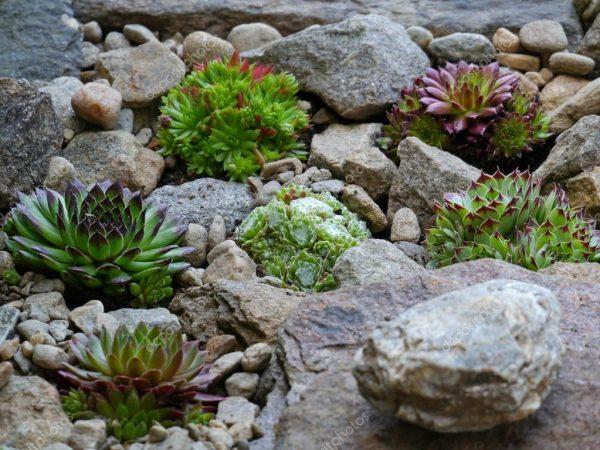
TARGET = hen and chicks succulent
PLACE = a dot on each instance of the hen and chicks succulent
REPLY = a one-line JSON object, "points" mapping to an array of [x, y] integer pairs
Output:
{"points": [[229, 118], [103, 237], [468, 108], [508, 218], [299, 236], [133, 378]]}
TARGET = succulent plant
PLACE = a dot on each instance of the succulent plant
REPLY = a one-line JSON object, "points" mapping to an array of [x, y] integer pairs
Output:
{"points": [[11, 277], [229, 118], [103, 237], [464, 107], [128, 416], [148, 358], [299, 236], [508, 218]]}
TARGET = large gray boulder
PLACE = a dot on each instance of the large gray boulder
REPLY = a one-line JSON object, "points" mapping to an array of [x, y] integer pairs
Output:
{"points": [[358, 66], [425, 174], [317, 344], [575, 151], [199, 201], [465, 361], [219, 17], [30, 134], [39, 40]]}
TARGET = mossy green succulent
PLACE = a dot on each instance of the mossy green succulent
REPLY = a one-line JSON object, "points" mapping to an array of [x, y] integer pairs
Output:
{"points": [[229, 118], [508, 218], [299, 236]]}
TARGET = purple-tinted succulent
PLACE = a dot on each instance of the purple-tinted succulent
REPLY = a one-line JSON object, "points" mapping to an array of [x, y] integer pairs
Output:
{"points": [[466, 96]]}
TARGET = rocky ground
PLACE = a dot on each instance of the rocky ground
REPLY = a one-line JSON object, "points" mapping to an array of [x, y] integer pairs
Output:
{"points": [[80, 88]]}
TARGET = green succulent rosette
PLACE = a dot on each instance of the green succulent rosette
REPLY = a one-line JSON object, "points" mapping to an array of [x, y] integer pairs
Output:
{"points": [[299, 236], [508, 218], [103, 237], [227, 118]]}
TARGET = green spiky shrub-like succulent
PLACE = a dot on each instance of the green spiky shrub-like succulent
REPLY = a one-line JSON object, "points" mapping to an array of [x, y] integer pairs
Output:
{"points": [[299, 236], [133, 378], [468, 108], [103, 237], [508, 218], [229, 118]]}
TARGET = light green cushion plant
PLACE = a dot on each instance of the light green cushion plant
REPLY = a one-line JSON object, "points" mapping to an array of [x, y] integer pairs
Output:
{"points": [[299, 236], [508, 218], [229, 118]]}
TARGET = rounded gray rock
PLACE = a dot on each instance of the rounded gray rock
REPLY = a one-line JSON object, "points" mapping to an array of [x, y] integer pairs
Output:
{"points": [[248, 36], [470, 47], [543, 36], [465, 361]]}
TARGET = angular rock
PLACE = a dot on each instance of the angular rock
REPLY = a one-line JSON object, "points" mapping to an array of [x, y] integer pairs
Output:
{"points": [[571, 64], [39, 40], [584, 191], [46, 307], [470, 47], [358, 201], [116, 156], [89, 55], [357, 85], [248, 36], [115, 41], [85, 317], [543, 36], [256, 357], [415, 252], [371, 170], [197, 237], [559, 90], [98, 104], [231, 264], [575, 151], [332, 148], [30, 410], [424, 175], [251, 311], [218, 17], [420, 36], [9, 317], [88, 434], [317, 361], [585, 102], [6, 371], [217, 232], [482, 356], [226, 365], [590, 45], [30, 134], [234, 410], [61, 90], [141, 74], [155, 317], [200, 200], [373, 261], [585, 272]]}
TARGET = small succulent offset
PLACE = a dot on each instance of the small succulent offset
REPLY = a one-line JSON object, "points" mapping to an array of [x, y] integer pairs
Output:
{"points": [[507, 217], [133, 378], [229, 118], [102, 237], [465, 107], [299, 236]]}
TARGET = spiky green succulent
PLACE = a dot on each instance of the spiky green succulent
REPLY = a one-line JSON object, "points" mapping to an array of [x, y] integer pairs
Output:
{"points": [[103, 237], [128, 415], [11, 277], [229, 118], [464, 108], [299, 236], [151, 359], [508, 218]]}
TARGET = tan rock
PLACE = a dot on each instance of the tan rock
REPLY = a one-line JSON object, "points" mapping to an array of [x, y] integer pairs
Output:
{"points": [[585, 102], [200, 47], [405, 226], [536, 79], [526, 86], [506, 41], [547, 74], [571, 63], [584, 191], [526, 63], [98, 104], [560, 89], [357, 200]]}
